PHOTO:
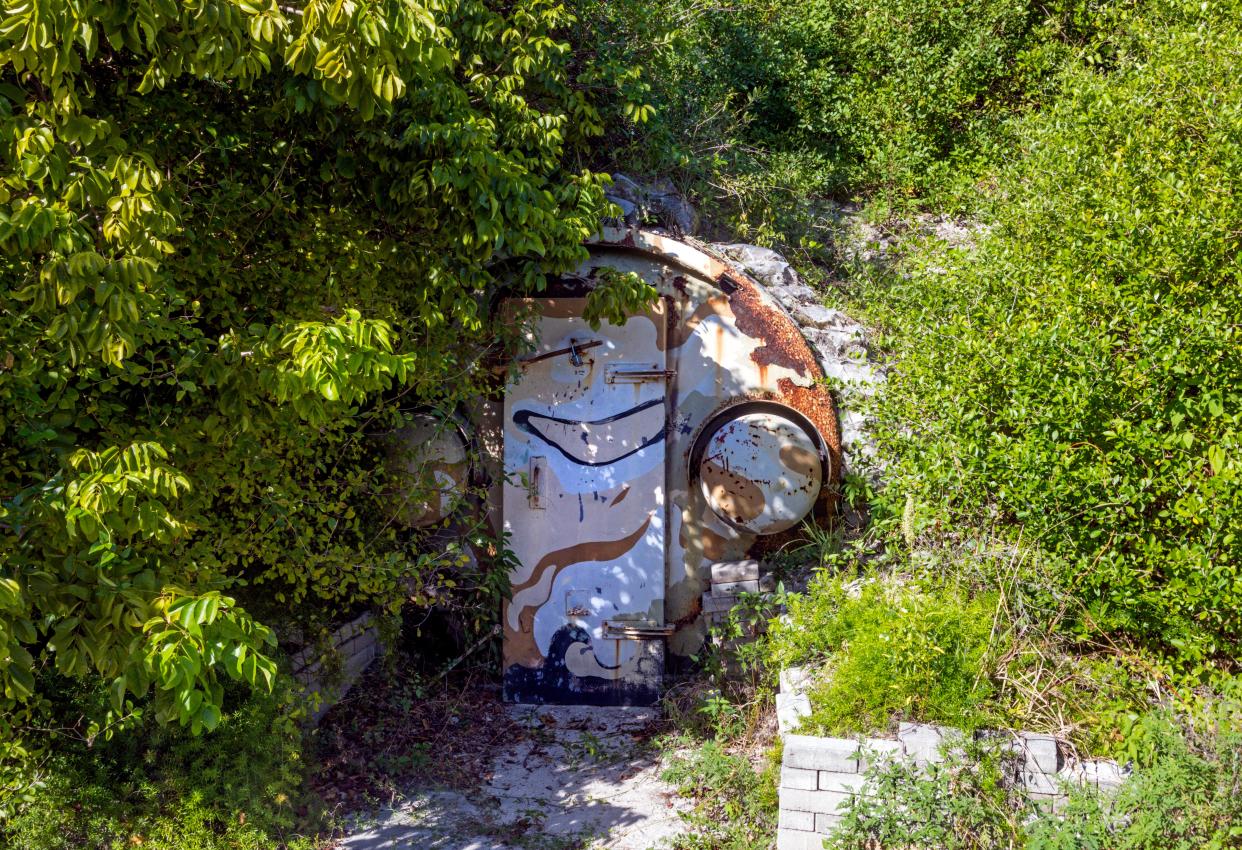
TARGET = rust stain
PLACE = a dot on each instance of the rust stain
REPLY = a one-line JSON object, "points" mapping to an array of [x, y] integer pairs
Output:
{"points": [[783, 344], [815, 403]]}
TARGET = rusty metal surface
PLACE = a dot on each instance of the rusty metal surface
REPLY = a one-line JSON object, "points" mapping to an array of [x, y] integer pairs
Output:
{"points": [[726, 343]]}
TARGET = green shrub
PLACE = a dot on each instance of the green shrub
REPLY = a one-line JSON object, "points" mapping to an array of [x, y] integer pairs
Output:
{"points": [[1183, 795], [886, 650], [1079, 375], [764, 105], [239, 243], [240, 788], [960, 803]]}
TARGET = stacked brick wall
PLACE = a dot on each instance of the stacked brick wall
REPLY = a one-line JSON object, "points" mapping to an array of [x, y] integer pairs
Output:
{"points": [[326, 674], [819, 775]]}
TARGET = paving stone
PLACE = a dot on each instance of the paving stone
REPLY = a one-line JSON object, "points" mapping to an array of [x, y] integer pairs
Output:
{"points": [[1040, 751], [1038, 782], [880, 751], [921, 741], [1105, 774], [799, 779], [790, 709], [825, 823], [794, 679], [813, 753], [843, 783], [729, 571], [735, 588]]}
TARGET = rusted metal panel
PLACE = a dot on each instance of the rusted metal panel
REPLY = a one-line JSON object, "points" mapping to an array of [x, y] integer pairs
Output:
{"points": [[728, 353], [730, 343], [585, 510]]}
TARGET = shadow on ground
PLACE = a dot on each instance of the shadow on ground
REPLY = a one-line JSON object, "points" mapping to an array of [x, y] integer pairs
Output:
{"points": [[580, 778]]}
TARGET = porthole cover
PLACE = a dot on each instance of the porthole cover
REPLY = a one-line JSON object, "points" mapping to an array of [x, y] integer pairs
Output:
{"points": [[430, 463], [761, 468]]}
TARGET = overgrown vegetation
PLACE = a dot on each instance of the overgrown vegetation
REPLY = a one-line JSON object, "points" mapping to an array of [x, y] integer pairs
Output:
{"points": [[1183, 795], [243, 242], [1055, 545], [240, 244], [240, 788], [1077, 375], [888, 651]]}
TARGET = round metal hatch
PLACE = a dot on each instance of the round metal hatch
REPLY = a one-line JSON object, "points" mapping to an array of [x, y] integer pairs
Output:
{"points": [[761, 466], [430, 462]]}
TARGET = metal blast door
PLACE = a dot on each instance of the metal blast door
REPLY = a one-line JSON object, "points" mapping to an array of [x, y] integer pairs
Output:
{"points": [[585, 430]]}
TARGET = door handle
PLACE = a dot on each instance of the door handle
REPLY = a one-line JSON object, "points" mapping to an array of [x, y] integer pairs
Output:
{"points": [[537, 484]]}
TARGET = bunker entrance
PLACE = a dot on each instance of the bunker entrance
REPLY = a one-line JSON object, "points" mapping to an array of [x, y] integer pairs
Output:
{"points": [[641, 471], [585, 437]]}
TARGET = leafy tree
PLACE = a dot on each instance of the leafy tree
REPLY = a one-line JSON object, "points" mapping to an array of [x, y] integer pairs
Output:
{"points": [[239, 239]]}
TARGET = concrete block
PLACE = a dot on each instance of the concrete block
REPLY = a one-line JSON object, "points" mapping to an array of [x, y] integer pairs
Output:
{"points": [[799, 779], [1039, 751], [922, 741], [794, 679], [824, 802], [730, 571], [790, 709], [717, 604], [826, 823], [735, 588], [880, 751], [1073, 772], [791, 819], [812, 753], [1104, 774], [790, 839], [1037, 782], [841, 783]]}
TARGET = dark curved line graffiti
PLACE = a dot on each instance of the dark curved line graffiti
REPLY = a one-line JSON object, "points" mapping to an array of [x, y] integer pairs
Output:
{"points": [[522, 419]]}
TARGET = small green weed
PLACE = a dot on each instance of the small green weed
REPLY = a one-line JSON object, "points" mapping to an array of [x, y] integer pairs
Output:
{"points": [[735, 804]]}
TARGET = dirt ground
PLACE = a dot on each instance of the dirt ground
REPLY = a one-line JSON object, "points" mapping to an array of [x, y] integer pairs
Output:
{"points": [[462, 771]]}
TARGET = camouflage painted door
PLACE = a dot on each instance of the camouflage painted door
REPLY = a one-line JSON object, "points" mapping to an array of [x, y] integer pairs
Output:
{"points": [[585, 428]]}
